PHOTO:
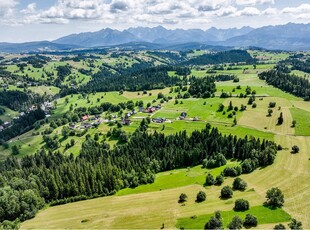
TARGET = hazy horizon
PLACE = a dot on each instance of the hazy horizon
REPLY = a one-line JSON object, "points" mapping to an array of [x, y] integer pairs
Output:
{"points": [[33, 20]]}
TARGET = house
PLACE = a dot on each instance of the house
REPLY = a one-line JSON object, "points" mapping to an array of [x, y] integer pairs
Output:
{"points": [[151, 109], [183, 114], [48, 105], [159, 120], [85, 125], [84, 118], [6, 124], [141, 109], [1, 128], [126, 122]]}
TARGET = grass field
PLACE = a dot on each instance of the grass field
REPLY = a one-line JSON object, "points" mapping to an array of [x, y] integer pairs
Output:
{"points": [[176, 178], [8, 114], [49, 90], [302, 119], [263, 214]]}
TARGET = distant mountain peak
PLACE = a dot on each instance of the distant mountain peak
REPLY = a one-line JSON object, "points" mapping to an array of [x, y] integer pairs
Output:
{"points": [[291, 36]]}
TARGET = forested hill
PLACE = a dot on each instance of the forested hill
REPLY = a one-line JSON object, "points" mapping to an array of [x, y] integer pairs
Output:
{"points": [[141, 77], [29, 183], [146, 76], [232, 56], [18, 100]]}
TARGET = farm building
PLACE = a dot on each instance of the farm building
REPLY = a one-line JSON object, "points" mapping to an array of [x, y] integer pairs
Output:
{"points": [[183, 115], [126, 122], [159, 120], [84, 118]]}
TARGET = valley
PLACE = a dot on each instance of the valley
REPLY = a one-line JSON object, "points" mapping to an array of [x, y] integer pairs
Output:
{"points": [[136, 127]]}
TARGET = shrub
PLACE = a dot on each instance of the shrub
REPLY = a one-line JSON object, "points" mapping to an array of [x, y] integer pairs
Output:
{"points": [[279, 226], [182, 198], [213, 223], [201, 196], [239, 184], [295, 149], [219, 180], [272, 104], [241, 205], [226, 192], [250, 221], [275, 197], [295, 224], [232, 171], [210, 180], [236, 223]]}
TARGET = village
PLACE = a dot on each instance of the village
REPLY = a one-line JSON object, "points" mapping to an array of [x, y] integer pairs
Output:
{"points": [[92, 121]]}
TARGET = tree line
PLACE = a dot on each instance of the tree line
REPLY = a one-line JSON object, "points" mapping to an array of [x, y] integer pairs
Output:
{"points": [[290, 83]]}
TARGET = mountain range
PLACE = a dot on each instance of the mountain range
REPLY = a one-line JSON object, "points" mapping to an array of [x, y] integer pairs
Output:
{"points": [[158, 35], [281, 37]]}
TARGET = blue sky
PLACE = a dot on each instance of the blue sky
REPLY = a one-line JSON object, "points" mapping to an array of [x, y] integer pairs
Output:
{"points": [[31, 20]]}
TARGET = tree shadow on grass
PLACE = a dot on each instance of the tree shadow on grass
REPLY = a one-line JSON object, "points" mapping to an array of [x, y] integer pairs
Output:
{"points": [[271, 207]]}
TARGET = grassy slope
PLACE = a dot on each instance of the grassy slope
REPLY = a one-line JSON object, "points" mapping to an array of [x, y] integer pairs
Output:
{"points": [[176, 178], [8, 114], [49, 90], [263, 214], [302, 121], [151, 205]]}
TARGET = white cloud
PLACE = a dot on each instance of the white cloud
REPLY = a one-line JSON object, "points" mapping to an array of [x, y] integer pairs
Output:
{"points": [[30, 9], [120, 13], [66, 10], [301, 12], [213, 5], [248, 11], [254, 2], [7, 7], [270, 11], [303, 8]]}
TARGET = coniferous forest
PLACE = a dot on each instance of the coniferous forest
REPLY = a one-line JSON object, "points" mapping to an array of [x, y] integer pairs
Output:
{"points": [[295, 85], [99, 171]]}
